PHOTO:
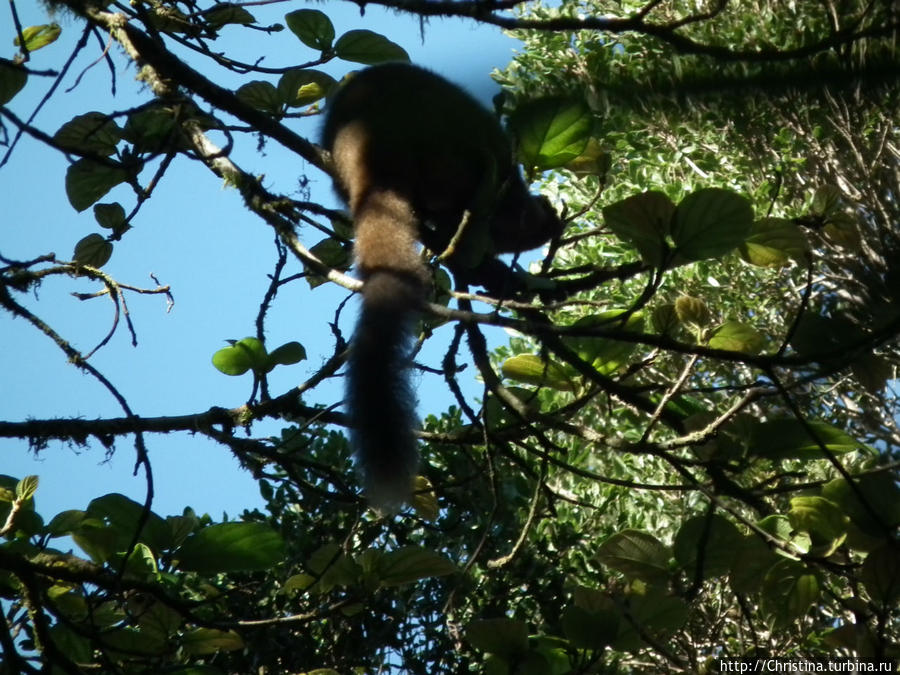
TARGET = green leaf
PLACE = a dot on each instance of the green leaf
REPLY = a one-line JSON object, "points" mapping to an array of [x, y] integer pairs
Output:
{"points": [[159, 620], [879, 492], [26, 488], [97, 540], [334, 254], [287, 354], [334, 567], [93, 250], [551, 132], [12, 78], [505, 638], [39, 36], [643, 221], [141, 562], [65, 522], [151, 129], [122, 515], [180, 527], [87, 181], [227, 13], [636, 554], [710, 222], [412, 563], [92, 132], [776, 525], [241, 356], [656, 613], [590, 629], [261, 95], [825, 337], [692, 311], [211, 640], [752, 561], [788, 439], [313, 27], [664, 319], [301, 87], [364, 46], [881, 574], [818, 516], [298, 582], [594, 160], [231, 547], [826, 200], [711, 543], [111, 217], [424, 501], [532, 369], [74, 646], [606, 355], [130, 642], [737, 337], [788, 592], [773, 242]]}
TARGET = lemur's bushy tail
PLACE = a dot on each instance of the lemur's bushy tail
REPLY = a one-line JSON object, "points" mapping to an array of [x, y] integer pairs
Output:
{"points": [[380, 396]]}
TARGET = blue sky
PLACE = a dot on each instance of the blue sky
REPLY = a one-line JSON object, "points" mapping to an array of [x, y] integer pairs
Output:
{"points": [[195, 236]]}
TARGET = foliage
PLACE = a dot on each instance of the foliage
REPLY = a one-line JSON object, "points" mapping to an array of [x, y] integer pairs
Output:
{"points": [[688, 451]]}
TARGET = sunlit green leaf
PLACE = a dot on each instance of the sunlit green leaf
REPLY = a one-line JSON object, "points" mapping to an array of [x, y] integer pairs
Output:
{"points": [[533, 369], [818, 516], [424, 499], [711, 222], [241, 356], [26, 487], [691, 310], [773, 242], [301, 87], [39, 36], [550, 132], [737, 337]]}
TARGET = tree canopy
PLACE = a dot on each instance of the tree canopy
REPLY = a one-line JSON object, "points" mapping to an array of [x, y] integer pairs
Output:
{"points": [[687, 449]]}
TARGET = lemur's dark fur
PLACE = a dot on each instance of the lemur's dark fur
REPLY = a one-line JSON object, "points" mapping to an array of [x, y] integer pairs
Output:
{"points": [[417, 160]]}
